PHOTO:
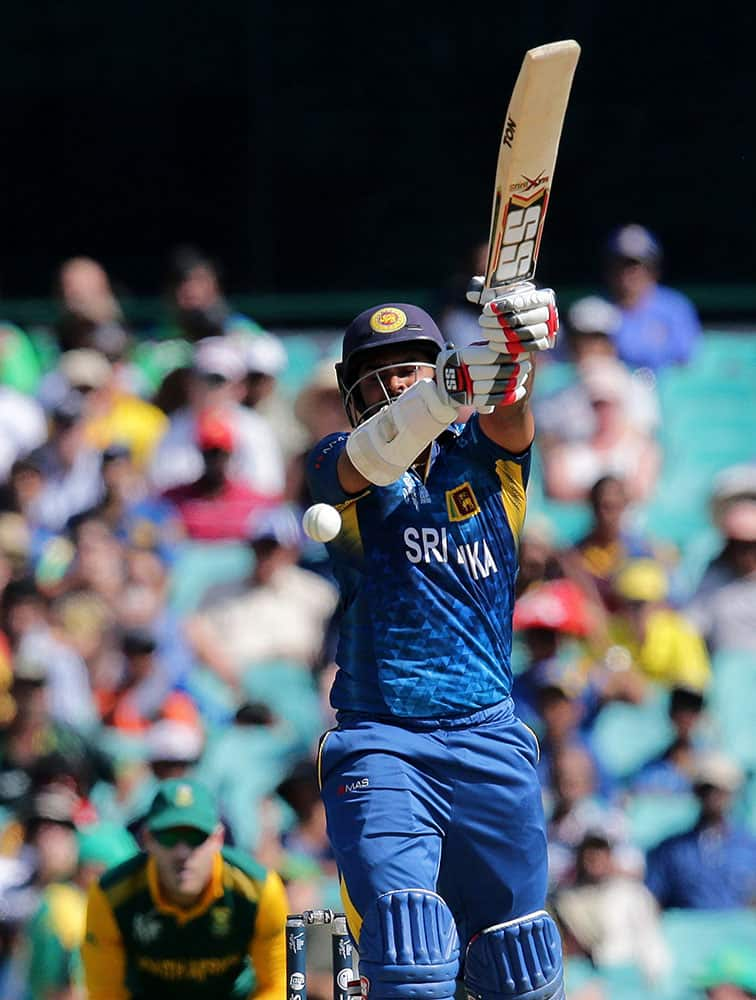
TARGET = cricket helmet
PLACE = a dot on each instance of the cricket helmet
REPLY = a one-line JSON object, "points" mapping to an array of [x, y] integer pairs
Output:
{"points": [[388, 325]]}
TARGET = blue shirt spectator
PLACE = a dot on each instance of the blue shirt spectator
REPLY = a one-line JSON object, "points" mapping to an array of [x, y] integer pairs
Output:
{"points": [[659, 325], [712, 866]]}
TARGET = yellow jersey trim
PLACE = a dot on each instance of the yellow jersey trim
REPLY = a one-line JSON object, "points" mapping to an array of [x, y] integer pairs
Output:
{"points": [[354, 919], [513, 496]]}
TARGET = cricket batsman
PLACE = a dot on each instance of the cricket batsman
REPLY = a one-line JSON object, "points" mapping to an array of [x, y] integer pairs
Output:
{"points": [[429, 778]]}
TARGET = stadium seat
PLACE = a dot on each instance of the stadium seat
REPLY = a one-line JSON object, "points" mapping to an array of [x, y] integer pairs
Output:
{"points": [[695, 937], [626, 736], [652, 817], [303, 356], [199, 566], [732, 703], [289, 691]]}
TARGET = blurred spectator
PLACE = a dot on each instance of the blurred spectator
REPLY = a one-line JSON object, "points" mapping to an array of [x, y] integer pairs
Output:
{"points": [[69, 469], [197, 303], [131, 512], [15, 547], [23, 428], [36, 748], [219, 915], [56, 930], [216, 384], [173, 748], [568, 414], [18, 901], [609, 917], [566, 713], [660, 642], [578, 808], [555, 619], [145, 603], [713, 865], [217, 506], [659, 325], [308, 837], [142, 692], [90, 315], [539, 556], [113, 416], [458, 318], [265, 361], [615, 445], [319, 411], [318, 405], [723, 606], [43, 656], [609, 543], [672, 771], [289, 606]]}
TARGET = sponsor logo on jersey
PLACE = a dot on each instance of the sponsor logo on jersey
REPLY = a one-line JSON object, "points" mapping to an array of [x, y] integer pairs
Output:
{"points": [[296, 981], [353, 786], [146, 927], [461, 503], [428, 545], [388, 320], [220, 920]]}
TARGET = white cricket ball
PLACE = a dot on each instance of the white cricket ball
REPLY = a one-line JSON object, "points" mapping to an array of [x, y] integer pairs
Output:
{"points": [[321, 522]]}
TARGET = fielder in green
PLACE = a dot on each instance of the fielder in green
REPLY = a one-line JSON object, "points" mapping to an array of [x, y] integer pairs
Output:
{"points": [[188, 917]]}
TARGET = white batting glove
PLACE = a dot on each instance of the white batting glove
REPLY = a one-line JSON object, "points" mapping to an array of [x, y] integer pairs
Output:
{"points": [[480, 376], [517, 319]]}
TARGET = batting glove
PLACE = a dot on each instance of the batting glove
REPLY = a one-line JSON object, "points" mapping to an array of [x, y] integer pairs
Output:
{"points": [[480, 376], [518, 319]]}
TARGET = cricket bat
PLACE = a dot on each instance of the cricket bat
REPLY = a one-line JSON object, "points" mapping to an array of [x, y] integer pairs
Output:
{"points": [[527, 156]]}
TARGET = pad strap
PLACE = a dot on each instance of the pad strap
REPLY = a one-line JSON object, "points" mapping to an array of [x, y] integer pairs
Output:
{"points": [[385, 446]]}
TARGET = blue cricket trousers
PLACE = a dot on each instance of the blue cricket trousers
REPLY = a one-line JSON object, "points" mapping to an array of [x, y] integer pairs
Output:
{"points": [[453, 806]]}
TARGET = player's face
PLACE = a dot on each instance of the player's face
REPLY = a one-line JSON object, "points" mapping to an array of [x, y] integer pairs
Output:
{"points": [[387, 373], [184, 859]]}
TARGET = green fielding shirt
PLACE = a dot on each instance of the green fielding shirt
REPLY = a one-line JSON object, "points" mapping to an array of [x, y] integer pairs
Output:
{"points": [[204, 952]]}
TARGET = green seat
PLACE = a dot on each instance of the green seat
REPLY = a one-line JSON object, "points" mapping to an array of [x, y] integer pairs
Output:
{"points": [[201, 565], [289, 691], [695, 938], [243, 765], [627, 736], [732, 703], [303, 355], [653, 817]]}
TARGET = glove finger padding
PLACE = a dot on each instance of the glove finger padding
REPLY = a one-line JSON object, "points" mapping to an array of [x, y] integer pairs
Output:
{"points": [[481, 377], [518, 319]]}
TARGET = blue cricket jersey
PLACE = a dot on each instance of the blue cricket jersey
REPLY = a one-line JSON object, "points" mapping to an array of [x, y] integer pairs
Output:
{"points": [[427, 575]]}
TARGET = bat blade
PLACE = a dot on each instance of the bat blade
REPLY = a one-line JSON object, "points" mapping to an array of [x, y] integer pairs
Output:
{"points": [[527, 156]]}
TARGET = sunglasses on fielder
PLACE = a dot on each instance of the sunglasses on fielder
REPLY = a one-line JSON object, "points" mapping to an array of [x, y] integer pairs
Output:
{"points": [[180, 835]]}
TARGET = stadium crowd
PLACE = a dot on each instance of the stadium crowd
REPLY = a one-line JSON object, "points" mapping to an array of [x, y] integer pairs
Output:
{"points": [[163, 616]]}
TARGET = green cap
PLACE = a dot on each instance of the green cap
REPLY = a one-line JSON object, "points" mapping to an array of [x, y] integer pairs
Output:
{"points": [[182, 802], [105, 844]]}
